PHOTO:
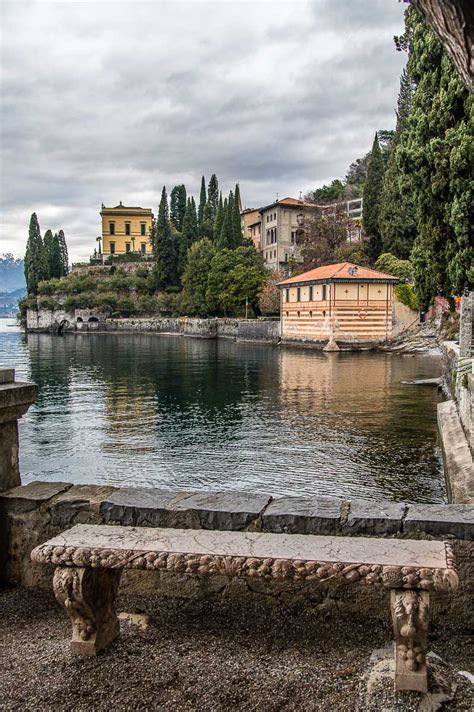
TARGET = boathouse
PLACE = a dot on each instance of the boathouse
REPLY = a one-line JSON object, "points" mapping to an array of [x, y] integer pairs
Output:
{"points": [[342, 301]]}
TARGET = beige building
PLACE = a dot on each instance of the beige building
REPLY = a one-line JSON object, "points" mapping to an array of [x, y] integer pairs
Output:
{"points": [[126, 229], [350, 303]]}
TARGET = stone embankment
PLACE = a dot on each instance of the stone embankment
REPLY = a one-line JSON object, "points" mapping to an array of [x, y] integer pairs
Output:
{"points": [[421, 338]]}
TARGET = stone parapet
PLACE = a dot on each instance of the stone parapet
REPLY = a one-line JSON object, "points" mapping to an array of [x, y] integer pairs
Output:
{"points": [[15, 399], [35, 512]]}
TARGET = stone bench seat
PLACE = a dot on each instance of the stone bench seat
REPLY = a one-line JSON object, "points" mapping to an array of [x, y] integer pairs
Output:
{"points": [[90, 559]]}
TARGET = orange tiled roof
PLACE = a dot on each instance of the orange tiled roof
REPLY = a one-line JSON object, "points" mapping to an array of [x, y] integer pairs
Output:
{"points": [[340, 271]]}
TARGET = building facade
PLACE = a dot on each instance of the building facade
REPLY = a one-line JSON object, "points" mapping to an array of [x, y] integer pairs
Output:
{"points": [[341, 301], [126, 229], [276, 229]]}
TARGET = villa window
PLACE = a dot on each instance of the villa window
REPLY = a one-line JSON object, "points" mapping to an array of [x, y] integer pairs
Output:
{"points": [[112, 228], [293, 237], [127, 228], [143, 248], [143, 229], [127, 247], [112, 248]]}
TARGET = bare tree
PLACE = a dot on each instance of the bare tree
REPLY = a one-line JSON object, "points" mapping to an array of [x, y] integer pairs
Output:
{"points": [[324, 231]]}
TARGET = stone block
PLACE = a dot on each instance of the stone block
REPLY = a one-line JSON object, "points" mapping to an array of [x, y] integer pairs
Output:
{"points": [[374, 517], [7, 375], [233, 511], [28, 497], [139, 506], [15, 399], [303, 515], [79, 504], [441, 520]]}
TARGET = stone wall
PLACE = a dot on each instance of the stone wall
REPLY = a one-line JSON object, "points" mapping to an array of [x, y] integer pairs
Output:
{"points": [[103, 271], [46, 320], [35, 512]]}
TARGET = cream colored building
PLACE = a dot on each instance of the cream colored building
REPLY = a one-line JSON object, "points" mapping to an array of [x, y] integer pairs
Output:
{"points": [[344, 301], [126, 229]]}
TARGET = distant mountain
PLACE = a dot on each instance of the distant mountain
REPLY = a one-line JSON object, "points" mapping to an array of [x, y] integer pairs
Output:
{"points": [[12, 276], [9, 301]]}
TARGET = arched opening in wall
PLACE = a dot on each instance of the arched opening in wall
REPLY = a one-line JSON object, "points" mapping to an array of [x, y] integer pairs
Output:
{"points": [[93, 322], [79, 320], [62, 325]]}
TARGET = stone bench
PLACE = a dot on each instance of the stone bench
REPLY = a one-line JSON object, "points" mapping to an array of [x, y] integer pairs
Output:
{"points": [[91, 558]]}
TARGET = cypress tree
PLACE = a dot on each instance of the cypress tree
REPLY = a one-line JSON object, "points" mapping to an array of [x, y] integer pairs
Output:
{"points": [[178, 206], [55, 258], [238, 235], [226, 236], [48, 253], [189, 234], [165, 248], [435, 157], [372, 200], [202, 204], [35, 263], [64, 254], [219, 219], [397, 211], [213, 198]]}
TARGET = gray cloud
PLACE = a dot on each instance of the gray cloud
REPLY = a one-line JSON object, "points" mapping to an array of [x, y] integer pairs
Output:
{"points": [[108, 101]]}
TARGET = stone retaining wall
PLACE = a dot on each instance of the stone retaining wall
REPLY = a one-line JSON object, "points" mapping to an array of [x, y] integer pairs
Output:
{"points": [[47, 320], [32, 513]]}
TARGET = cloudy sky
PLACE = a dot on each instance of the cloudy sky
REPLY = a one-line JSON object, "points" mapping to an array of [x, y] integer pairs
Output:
{"points": [[107, 101]]}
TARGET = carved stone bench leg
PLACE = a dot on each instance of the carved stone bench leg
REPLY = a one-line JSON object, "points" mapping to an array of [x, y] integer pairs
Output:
{"points": [[410, 612], [88, 595]]}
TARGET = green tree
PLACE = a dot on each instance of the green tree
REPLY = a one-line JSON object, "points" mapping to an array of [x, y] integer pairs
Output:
{"points": [[55, 258], [226, 236], [436, 157], [195, 277], [397, 219], [48, 253], [329, 193], [219, 219], [36, 267], [372, 198], [235, 277], [189, 234], [178, 203], [202, 205], [64, 254], [165, 248], [237, 222], [213, 197]]}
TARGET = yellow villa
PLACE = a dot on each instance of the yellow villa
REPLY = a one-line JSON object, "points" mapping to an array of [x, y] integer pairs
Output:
{"points": [[126, 229], [342, 301]]}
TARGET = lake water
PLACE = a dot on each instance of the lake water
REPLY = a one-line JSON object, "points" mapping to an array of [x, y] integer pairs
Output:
{"points": [[158, 411]]}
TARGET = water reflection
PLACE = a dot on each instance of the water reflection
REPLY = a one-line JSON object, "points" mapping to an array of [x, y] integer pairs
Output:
{"points": [[195, 414]]}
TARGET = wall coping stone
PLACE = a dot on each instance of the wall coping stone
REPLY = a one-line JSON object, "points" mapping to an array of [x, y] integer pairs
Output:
{"points": [[140, 506], [7, 375], [304, 515], [27, 497], [374, 517], [15, 399], [455, 520]]}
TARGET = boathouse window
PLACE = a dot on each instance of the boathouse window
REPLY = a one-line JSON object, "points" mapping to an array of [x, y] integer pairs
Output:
{"points": [[298, 314], [287, 295], [112, 228], [324, 292], [112, 248], [298, 295], [310, 314], [142, 229], [127, 228], [310, 294], [287, 313], [127, 247]]}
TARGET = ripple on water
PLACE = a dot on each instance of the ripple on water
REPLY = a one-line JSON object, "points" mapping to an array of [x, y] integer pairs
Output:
{"points": [[191, 414]]}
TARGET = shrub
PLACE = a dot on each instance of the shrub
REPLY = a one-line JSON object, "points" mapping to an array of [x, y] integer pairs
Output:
{"points": [[46, 303], [405, 294], [84, 300], [142, 272], [147, 304], [107, 301], [49, 286], [388, 263], [77, 285], [23, 305], [121, 282], [126, 306]]}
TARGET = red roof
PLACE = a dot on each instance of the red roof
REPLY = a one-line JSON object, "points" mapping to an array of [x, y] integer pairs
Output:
{"points": [[341, 271]]}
